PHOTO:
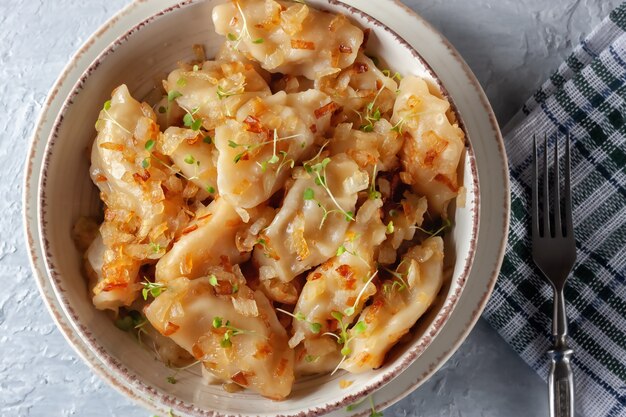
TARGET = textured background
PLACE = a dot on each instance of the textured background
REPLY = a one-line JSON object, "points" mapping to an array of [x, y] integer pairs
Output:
{"points": [[512, 46]]}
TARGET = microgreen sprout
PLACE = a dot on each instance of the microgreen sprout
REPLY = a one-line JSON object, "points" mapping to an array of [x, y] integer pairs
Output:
{"points": [[213, 280], [173, 95], [109, 118], [319, 171], [372, 193], [210, 189], [398, 282], [390, 227], [374, 413], [190, 121], [343, 249], [343, 338], [152, 288], [244, 31], [354, 406], [275, 158], [395, 76], [251, 147], [222, 93], [398, 126], [155, 247], [315, 327], [351, 310], [445, 224], [231, 331], [372, 114]]}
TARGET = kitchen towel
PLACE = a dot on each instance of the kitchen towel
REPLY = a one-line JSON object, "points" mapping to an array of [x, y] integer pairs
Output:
{"points": [[585, 97]]}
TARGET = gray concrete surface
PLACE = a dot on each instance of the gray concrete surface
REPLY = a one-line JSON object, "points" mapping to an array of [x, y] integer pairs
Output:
{"points": [[512, 45]]}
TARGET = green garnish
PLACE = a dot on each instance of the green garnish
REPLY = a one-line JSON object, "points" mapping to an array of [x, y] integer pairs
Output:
{"points": [[173, 95], [152, 288], [213, 280], [155, 247], [171, 379], [311, 358], [189, 159], [445, 224], [244, 31], [207, 139], [231, 331], [150, 145], [319, 171], [315, 327], [210, 189], [372, 193], [181, 82], [190, 121], [390, 227]]}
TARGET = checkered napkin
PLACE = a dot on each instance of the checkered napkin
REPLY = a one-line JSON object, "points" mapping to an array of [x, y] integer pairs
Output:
{"points": [[586, 97]]}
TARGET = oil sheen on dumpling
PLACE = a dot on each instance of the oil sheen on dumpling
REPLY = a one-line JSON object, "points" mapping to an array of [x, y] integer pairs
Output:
{"points": [[259, 147], [140, 219], [432, 153], [344, 282], [201, 316], [299, 237], [215, 91], [208, 240], [396, 308], [289, 37]]}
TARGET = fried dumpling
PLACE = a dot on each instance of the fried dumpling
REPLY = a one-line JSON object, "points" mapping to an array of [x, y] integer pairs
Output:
{"points": [[214, 91], [394, 310], [231, 329], [209, 240], [344, 283], [140, 219], [290, 38], [431, 155], [269, 136], [313, 219]]}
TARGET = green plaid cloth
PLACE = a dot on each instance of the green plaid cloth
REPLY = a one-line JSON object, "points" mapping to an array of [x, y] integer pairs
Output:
{"points": [[587, 98]]}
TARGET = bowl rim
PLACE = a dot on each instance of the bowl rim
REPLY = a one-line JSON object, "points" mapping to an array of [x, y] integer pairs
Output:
{"points": [[413, 351]]}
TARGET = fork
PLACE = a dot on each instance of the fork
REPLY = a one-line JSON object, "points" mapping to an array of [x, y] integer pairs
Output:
{"points": [[554, 252]]}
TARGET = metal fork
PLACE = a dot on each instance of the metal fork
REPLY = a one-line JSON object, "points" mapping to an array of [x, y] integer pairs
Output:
{"points": [[554, 252]]}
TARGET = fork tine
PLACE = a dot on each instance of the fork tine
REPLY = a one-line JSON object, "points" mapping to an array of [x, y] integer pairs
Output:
{"points": [[535, 185], [567, 204], [556, 195], [545, 197]]}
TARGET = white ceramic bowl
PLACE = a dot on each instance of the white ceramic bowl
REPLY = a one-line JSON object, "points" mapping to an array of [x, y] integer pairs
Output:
{"points": [[140, 45]]}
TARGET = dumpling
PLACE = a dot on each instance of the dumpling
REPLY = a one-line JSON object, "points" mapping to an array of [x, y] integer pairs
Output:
{"points": [[140, 218], [289, 38], [366, 94], [214, 91], [433, 149], [194, 154], [344, 283], [269, 136], [209, 240], [395, 309], [231, 329], [312, 223]]}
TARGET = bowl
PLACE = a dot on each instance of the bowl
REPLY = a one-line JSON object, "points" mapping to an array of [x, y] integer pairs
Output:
{"points": [[144, 50]]}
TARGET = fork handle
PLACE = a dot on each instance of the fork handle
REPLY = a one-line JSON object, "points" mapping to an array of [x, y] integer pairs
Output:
{"points": [[561, 382]]}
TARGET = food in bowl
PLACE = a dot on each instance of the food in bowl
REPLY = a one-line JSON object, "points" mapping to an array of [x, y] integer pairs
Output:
{"points": [[279, 211]]}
